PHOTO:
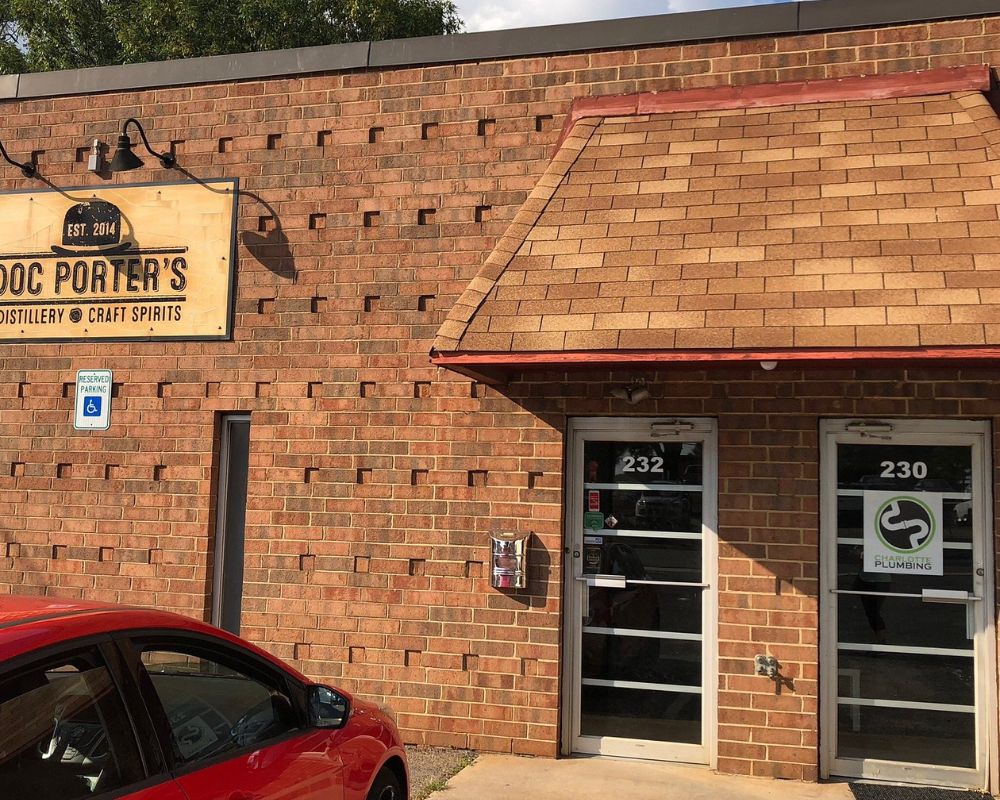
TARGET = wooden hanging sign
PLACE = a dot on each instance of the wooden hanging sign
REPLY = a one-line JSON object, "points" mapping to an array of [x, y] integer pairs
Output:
{"points": [[154, 261]]}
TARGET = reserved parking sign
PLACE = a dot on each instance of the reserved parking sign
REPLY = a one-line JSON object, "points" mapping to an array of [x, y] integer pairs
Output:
{"points": [[92, 410]]}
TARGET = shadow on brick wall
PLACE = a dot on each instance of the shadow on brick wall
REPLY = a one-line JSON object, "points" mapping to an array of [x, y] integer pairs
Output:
{"points": [[268, 244]]}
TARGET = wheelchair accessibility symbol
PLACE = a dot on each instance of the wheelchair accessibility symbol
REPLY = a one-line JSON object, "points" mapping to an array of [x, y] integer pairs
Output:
{"points": [[92, 405]]}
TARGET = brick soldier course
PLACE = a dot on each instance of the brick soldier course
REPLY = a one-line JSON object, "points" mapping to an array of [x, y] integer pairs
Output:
{"points": [[372, 193]]}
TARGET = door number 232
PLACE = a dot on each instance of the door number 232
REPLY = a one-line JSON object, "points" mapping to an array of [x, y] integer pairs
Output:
{"points": [[904, 469], [642, 464]]}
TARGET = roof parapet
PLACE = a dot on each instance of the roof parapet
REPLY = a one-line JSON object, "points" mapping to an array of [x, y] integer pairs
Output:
{"points": [[729, 23]]}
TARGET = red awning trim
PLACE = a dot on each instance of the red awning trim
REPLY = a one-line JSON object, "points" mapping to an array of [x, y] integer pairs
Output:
{"points": [[491, 366], [943, 80]]}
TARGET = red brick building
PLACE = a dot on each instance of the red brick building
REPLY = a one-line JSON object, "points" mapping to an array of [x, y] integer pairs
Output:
{"points": [[706, 303]]}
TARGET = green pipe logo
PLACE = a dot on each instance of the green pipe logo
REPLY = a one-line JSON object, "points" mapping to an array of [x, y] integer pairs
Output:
{"points": [[905, 525]]}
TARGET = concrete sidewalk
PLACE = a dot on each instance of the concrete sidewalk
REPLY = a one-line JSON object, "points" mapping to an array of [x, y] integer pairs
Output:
{"points": [[494, 777]]}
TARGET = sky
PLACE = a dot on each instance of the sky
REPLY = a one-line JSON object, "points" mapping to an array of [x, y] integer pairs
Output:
{"points": [[492, 15]]}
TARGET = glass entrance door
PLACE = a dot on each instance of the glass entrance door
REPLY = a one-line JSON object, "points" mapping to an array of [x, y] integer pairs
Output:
{"points": [[907, 649], [640, 588]]}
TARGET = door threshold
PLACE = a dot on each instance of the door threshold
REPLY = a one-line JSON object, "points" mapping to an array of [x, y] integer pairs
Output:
{"points": [[635, 759]]}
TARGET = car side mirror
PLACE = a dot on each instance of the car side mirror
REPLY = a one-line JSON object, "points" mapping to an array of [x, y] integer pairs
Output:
{"points": [[327, 708]]}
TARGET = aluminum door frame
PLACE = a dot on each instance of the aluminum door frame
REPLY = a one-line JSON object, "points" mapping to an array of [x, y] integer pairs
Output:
{"points": [[978, 436], [579, 430], [219, 577]]}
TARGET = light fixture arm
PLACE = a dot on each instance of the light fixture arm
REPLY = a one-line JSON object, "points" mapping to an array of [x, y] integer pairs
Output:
{"points": [[27, 169], [168, 160]]}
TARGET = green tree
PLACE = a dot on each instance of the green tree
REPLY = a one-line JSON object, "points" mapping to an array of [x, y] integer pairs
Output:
{"points": [[41, 35], [11, 58]]}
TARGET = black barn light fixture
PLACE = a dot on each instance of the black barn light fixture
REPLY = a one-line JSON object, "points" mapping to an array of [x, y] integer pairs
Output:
{"points": [[124, 159], [27, 169]]}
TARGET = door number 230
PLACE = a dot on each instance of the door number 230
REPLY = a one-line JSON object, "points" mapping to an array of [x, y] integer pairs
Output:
{"points": [[904, 469]]}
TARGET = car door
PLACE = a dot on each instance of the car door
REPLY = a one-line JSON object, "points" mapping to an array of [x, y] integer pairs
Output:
{"points": [[65, 733], [232, 726]]}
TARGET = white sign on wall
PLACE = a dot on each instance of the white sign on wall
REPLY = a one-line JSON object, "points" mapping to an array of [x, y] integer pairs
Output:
{"points": [[92, 410], [903, 533]]}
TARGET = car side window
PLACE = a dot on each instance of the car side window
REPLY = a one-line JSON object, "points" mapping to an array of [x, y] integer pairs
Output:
{"points": [[213, 708], [64, 731]]}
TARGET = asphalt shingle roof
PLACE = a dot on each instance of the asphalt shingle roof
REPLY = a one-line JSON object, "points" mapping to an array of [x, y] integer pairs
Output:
{"points": [[848, 224]]}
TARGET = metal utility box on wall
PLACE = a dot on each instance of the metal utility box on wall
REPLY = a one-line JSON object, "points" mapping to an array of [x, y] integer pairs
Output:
{"points": [[509, 559]]}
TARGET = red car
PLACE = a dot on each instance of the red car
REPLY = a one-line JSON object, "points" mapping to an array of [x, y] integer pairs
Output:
{"points": [[104, 701]]}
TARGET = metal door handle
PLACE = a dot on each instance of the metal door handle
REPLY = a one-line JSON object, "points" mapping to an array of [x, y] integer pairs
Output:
{"points": [[957, 598], [947, 596], [610, 581]]}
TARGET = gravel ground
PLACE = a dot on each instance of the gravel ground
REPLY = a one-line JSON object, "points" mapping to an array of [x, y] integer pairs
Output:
{"points": [[431, 764]]}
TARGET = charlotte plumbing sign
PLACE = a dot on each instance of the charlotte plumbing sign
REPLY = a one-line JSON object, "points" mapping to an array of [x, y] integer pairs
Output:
{"points": [[903, 533], [128, 262]]}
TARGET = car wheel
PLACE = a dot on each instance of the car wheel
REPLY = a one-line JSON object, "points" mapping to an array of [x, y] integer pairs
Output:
{"points": [[386, 787]]}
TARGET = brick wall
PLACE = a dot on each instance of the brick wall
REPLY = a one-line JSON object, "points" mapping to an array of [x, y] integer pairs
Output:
{"points": [[369, 199]]}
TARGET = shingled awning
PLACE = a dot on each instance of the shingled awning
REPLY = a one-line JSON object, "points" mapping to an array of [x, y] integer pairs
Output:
{"points": [[832, 219]]}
